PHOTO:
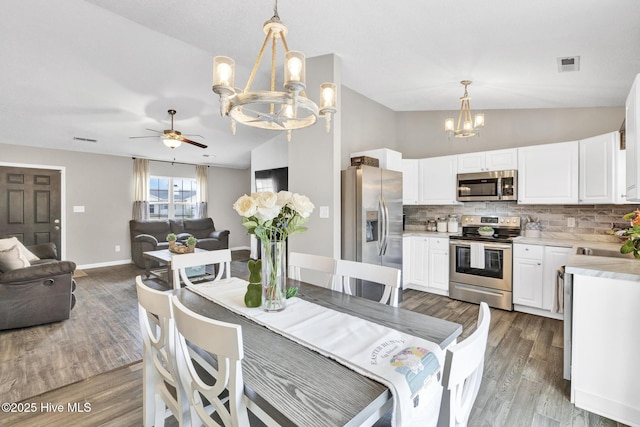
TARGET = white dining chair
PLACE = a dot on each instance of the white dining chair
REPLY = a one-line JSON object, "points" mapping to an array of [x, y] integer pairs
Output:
{"points": [[221, 259], [312, 263], [463, 367], [227, 402], [388, 276], [159, 368]]}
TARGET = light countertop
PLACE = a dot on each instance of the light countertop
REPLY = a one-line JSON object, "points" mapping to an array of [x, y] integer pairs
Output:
{"points": [[589, 265], [408, 233]]}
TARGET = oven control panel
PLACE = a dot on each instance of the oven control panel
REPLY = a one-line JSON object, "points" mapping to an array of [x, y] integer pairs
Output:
{"points": [[499, 221]]}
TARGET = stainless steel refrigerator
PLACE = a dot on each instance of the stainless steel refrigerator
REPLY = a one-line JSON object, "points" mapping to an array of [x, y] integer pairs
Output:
{"points": [[372, 220]]}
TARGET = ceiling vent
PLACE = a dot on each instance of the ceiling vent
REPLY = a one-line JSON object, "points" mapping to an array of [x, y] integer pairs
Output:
{"points": [[78, 138], [568, 63]]}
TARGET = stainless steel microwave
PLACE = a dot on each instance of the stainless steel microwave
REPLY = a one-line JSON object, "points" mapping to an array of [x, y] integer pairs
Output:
{"points": [[487, 186]]}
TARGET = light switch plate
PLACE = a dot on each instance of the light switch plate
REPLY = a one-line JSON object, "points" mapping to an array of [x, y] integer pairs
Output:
{"points": [[324, 211], [78, 209], [571, 222]]}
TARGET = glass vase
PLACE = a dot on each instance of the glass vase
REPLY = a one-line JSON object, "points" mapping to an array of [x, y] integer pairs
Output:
{"points": [[274, 275]]}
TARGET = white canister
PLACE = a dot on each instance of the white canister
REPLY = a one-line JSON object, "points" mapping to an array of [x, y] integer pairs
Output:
{"points": [[442, 224], [452, 224]]}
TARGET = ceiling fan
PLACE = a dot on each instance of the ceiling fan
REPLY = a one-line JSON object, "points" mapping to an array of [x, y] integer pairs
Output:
{"points": [[171, 137]]}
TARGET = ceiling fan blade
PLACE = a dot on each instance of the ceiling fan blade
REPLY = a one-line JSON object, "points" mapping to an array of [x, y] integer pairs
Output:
{"points": [[197, 144], [149, 136], [192, 134], [153, 130]]}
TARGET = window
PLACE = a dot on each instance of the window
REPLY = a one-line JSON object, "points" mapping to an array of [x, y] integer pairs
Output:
{"points": [[180, 202]]}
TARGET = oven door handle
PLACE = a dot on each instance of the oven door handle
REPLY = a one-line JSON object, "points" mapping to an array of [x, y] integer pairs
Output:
{"points": [[487, 246]]}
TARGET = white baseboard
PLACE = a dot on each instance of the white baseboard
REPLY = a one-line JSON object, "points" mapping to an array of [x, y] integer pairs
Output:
{"points": [[104, 264]]}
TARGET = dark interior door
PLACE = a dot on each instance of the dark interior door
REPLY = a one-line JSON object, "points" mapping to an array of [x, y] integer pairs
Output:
{"points": [[30, 203]]}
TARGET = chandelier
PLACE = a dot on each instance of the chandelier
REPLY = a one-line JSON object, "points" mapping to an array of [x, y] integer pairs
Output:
{"points": [[287, 110], [465, 127]]}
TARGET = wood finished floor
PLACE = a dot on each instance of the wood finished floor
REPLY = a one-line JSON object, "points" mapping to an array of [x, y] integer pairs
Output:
{"points": [[93, 357]]}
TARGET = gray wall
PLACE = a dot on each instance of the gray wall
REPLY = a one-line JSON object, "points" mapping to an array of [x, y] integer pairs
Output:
{"points": [[366, 125], [103, 184], [225, 186], [314, 166], [421, 134]]}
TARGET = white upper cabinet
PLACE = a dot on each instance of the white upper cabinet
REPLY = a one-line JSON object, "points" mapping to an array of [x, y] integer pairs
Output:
{"points": [[438, 180], [495, 160], [632, 139], [598, 169], [410, 181], [548, 174]]}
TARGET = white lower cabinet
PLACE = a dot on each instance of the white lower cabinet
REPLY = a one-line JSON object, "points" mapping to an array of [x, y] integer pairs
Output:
{"points": [[428, 264], [406, 262], [605, 374], [439, 265], [534, 278]]}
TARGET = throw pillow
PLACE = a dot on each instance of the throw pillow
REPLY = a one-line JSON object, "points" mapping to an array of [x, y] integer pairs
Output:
{"points": [[13, 241], [11, 259]]}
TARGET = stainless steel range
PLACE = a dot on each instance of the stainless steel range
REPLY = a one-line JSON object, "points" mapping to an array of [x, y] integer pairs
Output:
{"points": [[481, 266]]}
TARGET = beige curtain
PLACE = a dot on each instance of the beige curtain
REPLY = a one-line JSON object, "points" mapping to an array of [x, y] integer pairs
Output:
{"points": [[202, 197], [140, 189]]}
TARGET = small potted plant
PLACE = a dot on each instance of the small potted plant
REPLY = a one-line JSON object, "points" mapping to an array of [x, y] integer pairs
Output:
{"points": [[171, 238], [191, 244]]}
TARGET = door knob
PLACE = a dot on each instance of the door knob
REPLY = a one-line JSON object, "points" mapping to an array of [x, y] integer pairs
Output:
{"points": [[56, 228]]}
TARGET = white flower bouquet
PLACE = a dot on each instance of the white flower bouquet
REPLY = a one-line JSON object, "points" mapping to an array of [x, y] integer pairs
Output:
{"points": [[272, 216]]}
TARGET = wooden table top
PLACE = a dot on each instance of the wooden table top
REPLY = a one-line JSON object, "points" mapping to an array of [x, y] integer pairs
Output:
{"points": [[298, 386]]}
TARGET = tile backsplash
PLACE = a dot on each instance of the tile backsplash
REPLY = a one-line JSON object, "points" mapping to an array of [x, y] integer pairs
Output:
{"points": [[589, 219]]}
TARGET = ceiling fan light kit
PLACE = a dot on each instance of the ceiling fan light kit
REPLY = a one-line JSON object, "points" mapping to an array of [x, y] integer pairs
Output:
{"points": [[171, 137], [287, 110], [465, 127]]}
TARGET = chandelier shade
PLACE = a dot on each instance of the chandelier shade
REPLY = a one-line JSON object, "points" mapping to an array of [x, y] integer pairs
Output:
{"points": [[287, 109], [466, 127]]}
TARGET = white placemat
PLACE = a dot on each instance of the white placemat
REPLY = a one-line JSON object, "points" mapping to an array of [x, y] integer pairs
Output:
{"points": [[409, 366]]}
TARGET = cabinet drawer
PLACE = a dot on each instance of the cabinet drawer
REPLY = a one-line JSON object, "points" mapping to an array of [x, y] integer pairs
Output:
{"points": [[528, 251], [439, 243]]}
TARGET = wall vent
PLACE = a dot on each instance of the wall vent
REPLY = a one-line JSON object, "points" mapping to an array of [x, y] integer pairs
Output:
{"points": [[568, 63], [78, 138]]}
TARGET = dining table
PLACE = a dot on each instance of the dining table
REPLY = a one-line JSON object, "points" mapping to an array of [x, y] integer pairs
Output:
{"points": [[297, 386]]}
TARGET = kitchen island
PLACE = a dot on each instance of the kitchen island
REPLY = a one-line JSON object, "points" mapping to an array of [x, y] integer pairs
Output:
{"points": [[604, 344]]}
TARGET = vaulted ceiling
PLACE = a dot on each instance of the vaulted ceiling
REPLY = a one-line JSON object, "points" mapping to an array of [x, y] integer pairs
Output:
{"points": [[109, 69]]}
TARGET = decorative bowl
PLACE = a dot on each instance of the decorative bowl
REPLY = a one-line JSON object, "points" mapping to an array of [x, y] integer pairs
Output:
{"points": [[179, 249], [486, 233]]}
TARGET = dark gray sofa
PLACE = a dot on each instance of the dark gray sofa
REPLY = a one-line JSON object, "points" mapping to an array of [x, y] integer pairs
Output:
{"points": [[151, 235], [38, 294]]}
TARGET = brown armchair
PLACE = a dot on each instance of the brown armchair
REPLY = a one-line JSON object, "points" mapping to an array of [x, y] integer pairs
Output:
{"points": [[38, 294]]}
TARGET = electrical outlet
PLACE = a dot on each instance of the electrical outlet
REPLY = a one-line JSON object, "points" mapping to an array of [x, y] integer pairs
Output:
{"points": [[571, 222], [117, 248]]}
